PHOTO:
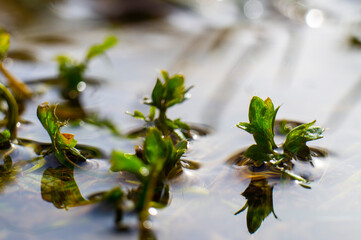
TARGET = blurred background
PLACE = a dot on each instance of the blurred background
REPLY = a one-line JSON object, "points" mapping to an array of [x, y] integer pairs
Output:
{"points": [[305, 55]]}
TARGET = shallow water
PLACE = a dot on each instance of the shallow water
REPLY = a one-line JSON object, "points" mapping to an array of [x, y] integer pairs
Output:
{"points": [[311, 73]]}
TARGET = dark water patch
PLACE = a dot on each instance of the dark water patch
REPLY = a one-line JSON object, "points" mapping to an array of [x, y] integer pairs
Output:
{"points": [[24, 55], [51, 40]]}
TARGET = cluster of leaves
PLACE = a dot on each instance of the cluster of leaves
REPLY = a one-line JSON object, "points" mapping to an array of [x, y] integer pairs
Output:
{"points": [[165, 95], [262, 116], [152, 166], [63, 144], [71, 71]]}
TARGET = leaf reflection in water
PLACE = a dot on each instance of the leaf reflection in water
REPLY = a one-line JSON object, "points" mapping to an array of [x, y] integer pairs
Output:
{"points": [[58, 186], [259, 203]]}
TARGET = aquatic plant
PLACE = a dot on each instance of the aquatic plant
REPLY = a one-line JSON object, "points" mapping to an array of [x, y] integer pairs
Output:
{"points": [[18, 87], [262, 116], [166, 94], [71, 71], [152, 166], [63, 144]]}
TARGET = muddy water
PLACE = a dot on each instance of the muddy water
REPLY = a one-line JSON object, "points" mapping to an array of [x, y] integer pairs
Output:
{"points": [[311, 73]]}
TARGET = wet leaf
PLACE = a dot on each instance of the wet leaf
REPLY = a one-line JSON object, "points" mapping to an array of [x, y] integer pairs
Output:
{"points": [[256, 153], [155, 148], [157, 94], [261, 123], [63, 144], [128, 162], [99, 49], [296, 139]]}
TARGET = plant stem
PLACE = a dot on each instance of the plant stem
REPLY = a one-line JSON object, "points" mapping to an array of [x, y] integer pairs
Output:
{"points": [[149, 188], [12, 113], [18, 86]]}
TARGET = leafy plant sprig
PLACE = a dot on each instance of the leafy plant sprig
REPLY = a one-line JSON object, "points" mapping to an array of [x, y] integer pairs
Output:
{"points": [[166, 94], [63, 144], [71, 71], [152, 166], [262, 116]]}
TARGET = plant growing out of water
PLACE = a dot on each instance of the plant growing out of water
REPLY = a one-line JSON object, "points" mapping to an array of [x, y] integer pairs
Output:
{"points": [[166, 94], [63, 144], [152, 166], [71, 71], [262, 116], [18, 87]]}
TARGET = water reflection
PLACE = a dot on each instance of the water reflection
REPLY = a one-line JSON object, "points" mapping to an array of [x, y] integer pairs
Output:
{"points": [[259, 203], [7, 172], [58, 186]]}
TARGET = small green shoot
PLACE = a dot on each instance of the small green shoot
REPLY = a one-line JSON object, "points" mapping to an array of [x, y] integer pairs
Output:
{"points": [[63, 144], [152, 167], [262, 117], [166, 94], [262, 120], [71, 71]]}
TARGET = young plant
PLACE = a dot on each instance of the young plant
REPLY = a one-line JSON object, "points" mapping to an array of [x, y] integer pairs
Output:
{"points": [[18, 87], [165, 95], [63, 144], [152, 166], [71, 71], [262, 116]]}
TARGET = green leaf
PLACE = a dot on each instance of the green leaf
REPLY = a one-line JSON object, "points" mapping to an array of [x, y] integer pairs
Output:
{"points": [[175, 90], [155, 148], [261, 123], [171, 124], [137, 114], [152, 113], [62, 143], [296, 139], [165, 75], [4, 44], [5, 135], [99, 49], [157, 94], [257, 154], [128, 162], [181, 125]]}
